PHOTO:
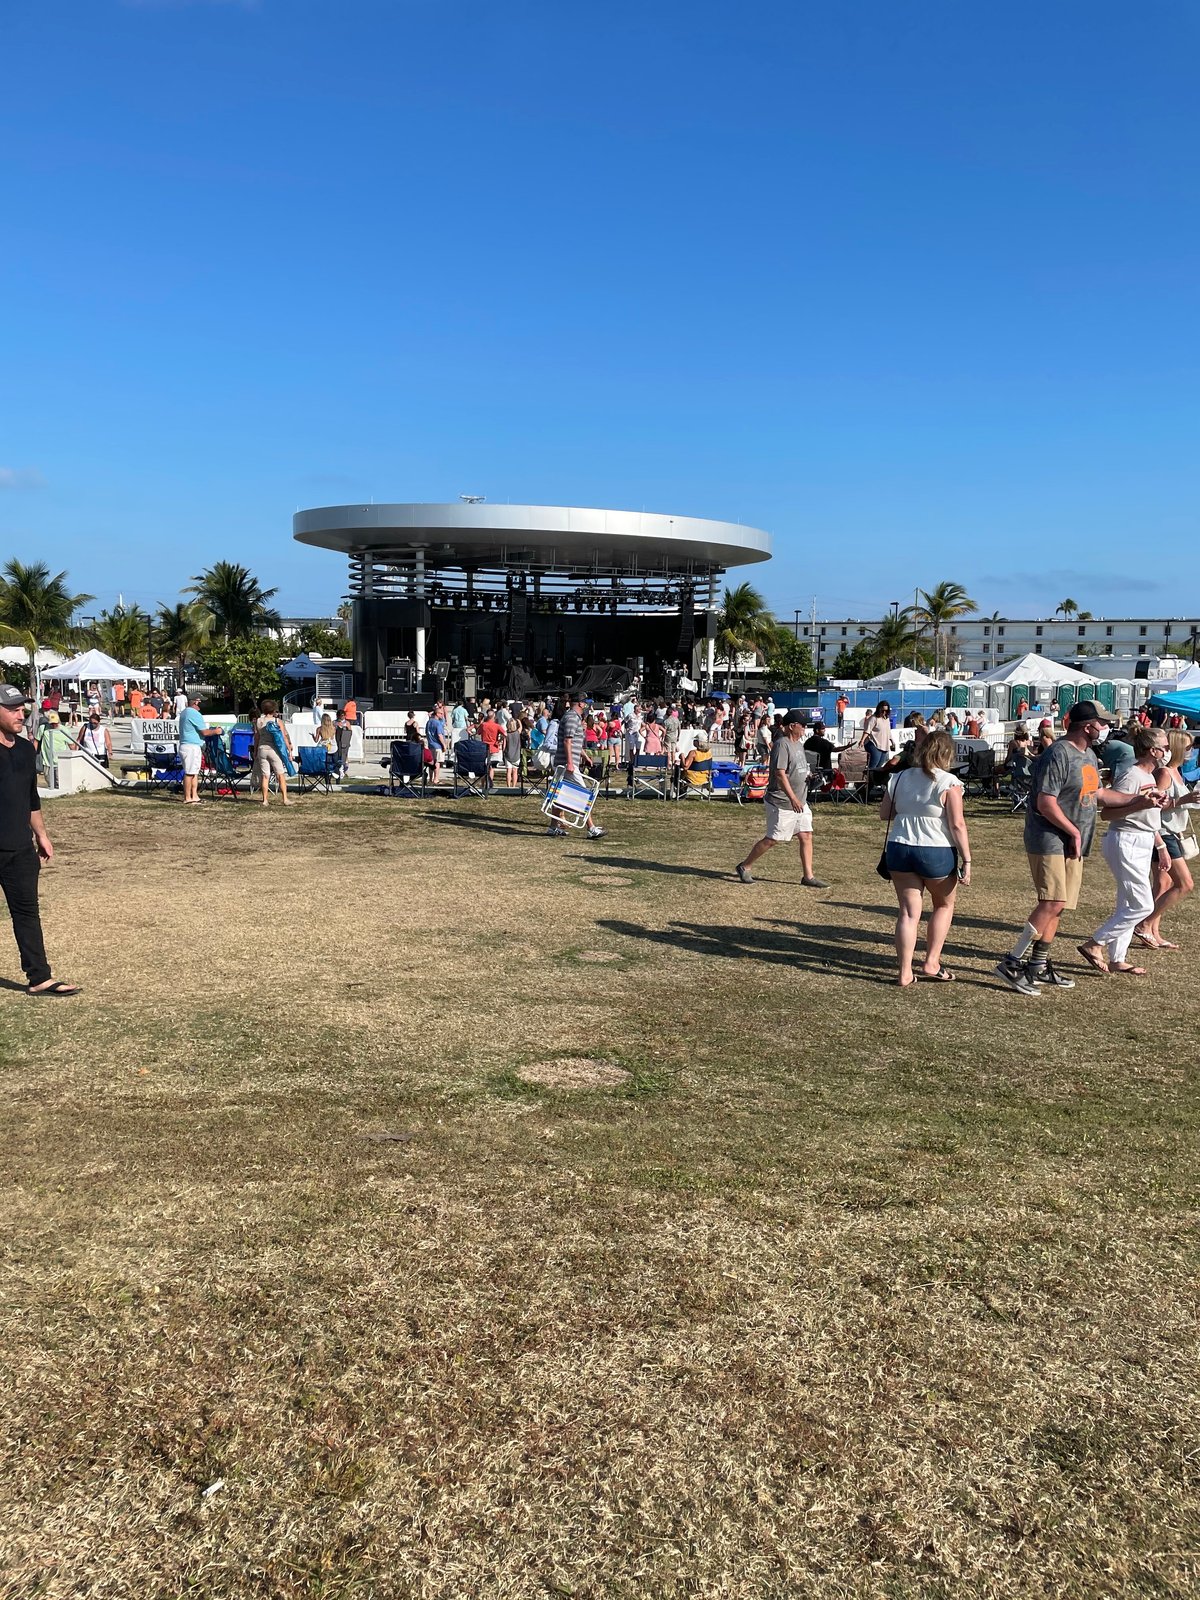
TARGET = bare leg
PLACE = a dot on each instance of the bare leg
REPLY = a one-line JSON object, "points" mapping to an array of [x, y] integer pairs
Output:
{"points": [[283, 789], [940, 918], [760, 849], [909, 898], [805, 842], [1044, 917], [266, 784], [1178, 885]]}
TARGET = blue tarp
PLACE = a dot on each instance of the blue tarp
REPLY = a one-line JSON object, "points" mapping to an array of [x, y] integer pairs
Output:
{"points": [[1185, 701]]}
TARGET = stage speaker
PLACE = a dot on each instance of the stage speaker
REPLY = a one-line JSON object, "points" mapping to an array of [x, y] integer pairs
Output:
{"points": [[401, 677]]}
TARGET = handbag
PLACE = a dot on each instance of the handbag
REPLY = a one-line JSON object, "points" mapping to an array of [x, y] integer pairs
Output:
{"points": [[1191, 845], [881, 866]]}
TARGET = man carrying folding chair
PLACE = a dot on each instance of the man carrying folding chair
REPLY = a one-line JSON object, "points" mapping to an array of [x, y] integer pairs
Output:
{"points": [[570, 751]]}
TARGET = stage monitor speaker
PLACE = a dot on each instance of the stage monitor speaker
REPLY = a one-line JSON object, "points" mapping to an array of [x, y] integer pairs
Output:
{"points": [[470, 683], [434, 683], [401, 677]]}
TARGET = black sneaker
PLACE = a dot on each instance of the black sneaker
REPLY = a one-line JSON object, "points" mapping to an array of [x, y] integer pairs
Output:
{"points": [[743, 874], [1047, 978], [1013, 973]]}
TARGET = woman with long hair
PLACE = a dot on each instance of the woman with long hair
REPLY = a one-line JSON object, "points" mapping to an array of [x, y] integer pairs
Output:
{"points": [[1175, 881], [927, 849], [1132, 844], [877, 736]]}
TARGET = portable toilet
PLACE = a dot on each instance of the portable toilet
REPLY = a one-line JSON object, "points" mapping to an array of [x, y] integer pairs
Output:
{"points": [[1017, 693]]}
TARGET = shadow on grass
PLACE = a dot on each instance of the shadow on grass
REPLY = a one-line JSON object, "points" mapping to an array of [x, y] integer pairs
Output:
{"points": [[818, 948], [639, 864], [460, 819], [960, 921]]}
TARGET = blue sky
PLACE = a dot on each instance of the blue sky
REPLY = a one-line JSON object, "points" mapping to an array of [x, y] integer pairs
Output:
{"points": [[912, 286]]}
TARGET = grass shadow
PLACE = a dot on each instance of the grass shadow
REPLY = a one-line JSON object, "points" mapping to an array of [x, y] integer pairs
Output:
{"points": [[640, 864]]}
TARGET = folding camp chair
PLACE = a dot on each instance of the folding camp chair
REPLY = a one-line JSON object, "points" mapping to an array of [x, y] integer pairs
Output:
{"points": [[241, 748], [981, 777], [218, 773], [535, 779], [314, 768], [695, 782], [405, 768], [752, 784], [570, 798], [472, 772], [1020, 783], [164, 770], [648, 775], [852, 768], [597, 761]]}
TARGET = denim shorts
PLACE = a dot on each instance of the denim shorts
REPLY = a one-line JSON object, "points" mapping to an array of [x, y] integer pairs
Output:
{"points": [[929, 861], [1174, 844]]}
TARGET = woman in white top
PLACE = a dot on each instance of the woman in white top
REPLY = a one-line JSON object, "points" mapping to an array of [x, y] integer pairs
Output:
{"points": [[924, 811], [1130, 847], [877, 736], [1176, 880]]}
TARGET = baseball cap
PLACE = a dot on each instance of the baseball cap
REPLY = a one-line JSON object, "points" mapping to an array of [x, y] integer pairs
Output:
{"points": [[795, 715], [11, 697], [1089, 711]]}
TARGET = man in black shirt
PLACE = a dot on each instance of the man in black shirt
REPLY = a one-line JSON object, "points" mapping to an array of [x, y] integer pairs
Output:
{"points": [[24, 843]]}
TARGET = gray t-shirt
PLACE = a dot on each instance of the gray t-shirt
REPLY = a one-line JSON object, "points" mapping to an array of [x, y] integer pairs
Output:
{"points": [[570, 734], [1072, 777], [787, 756]]}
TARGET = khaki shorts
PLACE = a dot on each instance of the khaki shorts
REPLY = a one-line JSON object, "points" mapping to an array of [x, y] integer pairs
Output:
{"points": [[267, 761], [785, 825], [1056, 878]]}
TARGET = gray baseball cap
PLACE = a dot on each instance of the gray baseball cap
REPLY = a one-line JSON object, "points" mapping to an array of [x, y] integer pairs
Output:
{"points": [[11, 697]]}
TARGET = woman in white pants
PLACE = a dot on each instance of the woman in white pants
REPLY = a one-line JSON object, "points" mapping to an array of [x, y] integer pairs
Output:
{"points": [[1130, 847]]}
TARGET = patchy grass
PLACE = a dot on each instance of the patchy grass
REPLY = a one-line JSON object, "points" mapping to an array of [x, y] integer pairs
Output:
{"points": [[842, 1290]]}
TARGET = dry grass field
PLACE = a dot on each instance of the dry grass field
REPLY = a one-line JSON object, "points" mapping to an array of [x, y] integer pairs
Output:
{"points": [[333, 1267]]}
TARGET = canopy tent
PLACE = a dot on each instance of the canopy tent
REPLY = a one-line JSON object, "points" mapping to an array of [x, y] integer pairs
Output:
{"points": [[14, 656], [1189, 678], [1185, 701], [902, 678], [306, 666], [1036, 671], [95, 664]]}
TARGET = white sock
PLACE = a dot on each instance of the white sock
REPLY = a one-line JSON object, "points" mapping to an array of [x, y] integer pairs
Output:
{"points": [[1027, 937]]}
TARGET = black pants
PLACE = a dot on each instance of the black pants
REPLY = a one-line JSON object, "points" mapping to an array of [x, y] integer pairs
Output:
{"points": [[19, 880]]}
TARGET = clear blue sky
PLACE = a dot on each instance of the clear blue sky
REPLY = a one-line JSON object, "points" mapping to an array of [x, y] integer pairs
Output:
{"points": [[911, 285]]}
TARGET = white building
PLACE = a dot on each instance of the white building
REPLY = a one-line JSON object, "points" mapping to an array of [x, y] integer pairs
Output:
{"points": [[974, 644]]}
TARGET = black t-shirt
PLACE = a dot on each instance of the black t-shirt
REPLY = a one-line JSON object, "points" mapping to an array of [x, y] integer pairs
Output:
{"points": [[823, 748], [18, 794]]}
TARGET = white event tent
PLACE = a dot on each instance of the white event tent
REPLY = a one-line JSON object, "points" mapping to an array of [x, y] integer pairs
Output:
{"points": [[94, 664], [1036, 671], [902, 678]]}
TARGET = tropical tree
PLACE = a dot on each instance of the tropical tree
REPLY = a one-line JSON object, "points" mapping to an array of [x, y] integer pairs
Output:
{"points": [[318, 638], [123, 633], [246, 668], [1067, 607], [36, 611], [235, 599], [938, 606], [788, 662], [183, 630], [744, 626], [895, 641]]}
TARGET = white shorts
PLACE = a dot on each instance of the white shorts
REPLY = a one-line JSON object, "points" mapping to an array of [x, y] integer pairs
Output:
{"points": [[785, 825], [190, 755]]}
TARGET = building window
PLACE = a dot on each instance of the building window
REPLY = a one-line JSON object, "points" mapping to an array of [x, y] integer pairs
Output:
{"points": [[1000, 631], [1141, 649], [1082, 632], [1108, 631], [1142, 634], [1038, 630], [862, 633], [1108, 649], [806, 633], [843, 633], [986, 630], [1037, 647], [822, 633]]}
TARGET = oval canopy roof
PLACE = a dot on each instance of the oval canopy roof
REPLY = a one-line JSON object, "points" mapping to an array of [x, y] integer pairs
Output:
{"points": [[551, 535]]}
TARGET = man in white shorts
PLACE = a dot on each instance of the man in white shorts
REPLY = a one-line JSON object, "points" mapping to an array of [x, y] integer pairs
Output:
{"points": [[193, 730], [786, 805]]}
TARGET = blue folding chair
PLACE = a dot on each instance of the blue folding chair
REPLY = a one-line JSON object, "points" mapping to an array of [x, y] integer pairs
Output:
{"points": [[406, 768], [218, 774], [241, 748], [315, 768], [164, 771], [472, 768]]}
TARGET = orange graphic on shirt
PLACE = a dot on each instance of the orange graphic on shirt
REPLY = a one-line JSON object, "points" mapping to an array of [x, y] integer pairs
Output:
{"points": [[1089, 782]]}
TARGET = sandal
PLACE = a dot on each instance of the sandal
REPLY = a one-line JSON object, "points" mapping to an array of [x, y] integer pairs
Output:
{"points": [[942, 975], [1147, 942], [1127, 970], [1088, 952], [55, 990]]}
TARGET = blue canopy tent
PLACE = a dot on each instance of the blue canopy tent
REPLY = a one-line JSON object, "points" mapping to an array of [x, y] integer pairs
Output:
{"points": [[1184, 701]]}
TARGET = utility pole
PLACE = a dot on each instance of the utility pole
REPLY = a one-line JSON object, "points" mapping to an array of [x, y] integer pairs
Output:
{"points": [[150, 649]]}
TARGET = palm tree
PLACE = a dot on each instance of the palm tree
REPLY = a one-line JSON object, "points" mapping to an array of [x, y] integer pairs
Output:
{"points": [[743, 625], [123, 634], [895, 640], [36, 611], [1067, 607], [236, 600], [183, 630], [939, 606]]}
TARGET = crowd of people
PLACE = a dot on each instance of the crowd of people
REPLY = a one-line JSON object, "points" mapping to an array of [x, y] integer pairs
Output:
{"points": [[1141, 778]]}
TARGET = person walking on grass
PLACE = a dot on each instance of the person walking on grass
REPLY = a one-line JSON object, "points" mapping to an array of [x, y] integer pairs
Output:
{"points": [[272, 751], [923, 809], [571, 734], [24, 845], [192, 732], [1132, 847], [1175, 881], [1060, 824], [787, 810]]}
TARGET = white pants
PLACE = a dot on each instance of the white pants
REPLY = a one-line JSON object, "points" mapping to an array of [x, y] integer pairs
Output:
{"points": [[1129, 852]]}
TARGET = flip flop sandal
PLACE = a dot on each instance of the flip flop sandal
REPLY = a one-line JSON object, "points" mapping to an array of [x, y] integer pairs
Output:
{"points": [[1126, 970], [942, 975], [1165, 944], [1092, 959], [58, 991]]}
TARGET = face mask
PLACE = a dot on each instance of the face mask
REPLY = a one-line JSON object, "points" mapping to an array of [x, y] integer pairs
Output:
{"points": [[1102, 736]]}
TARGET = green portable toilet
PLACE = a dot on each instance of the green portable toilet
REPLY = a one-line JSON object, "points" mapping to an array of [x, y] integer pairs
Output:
{"points": [[959, 696], [1065, 698], [1018, 692], [1107, 695]]}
